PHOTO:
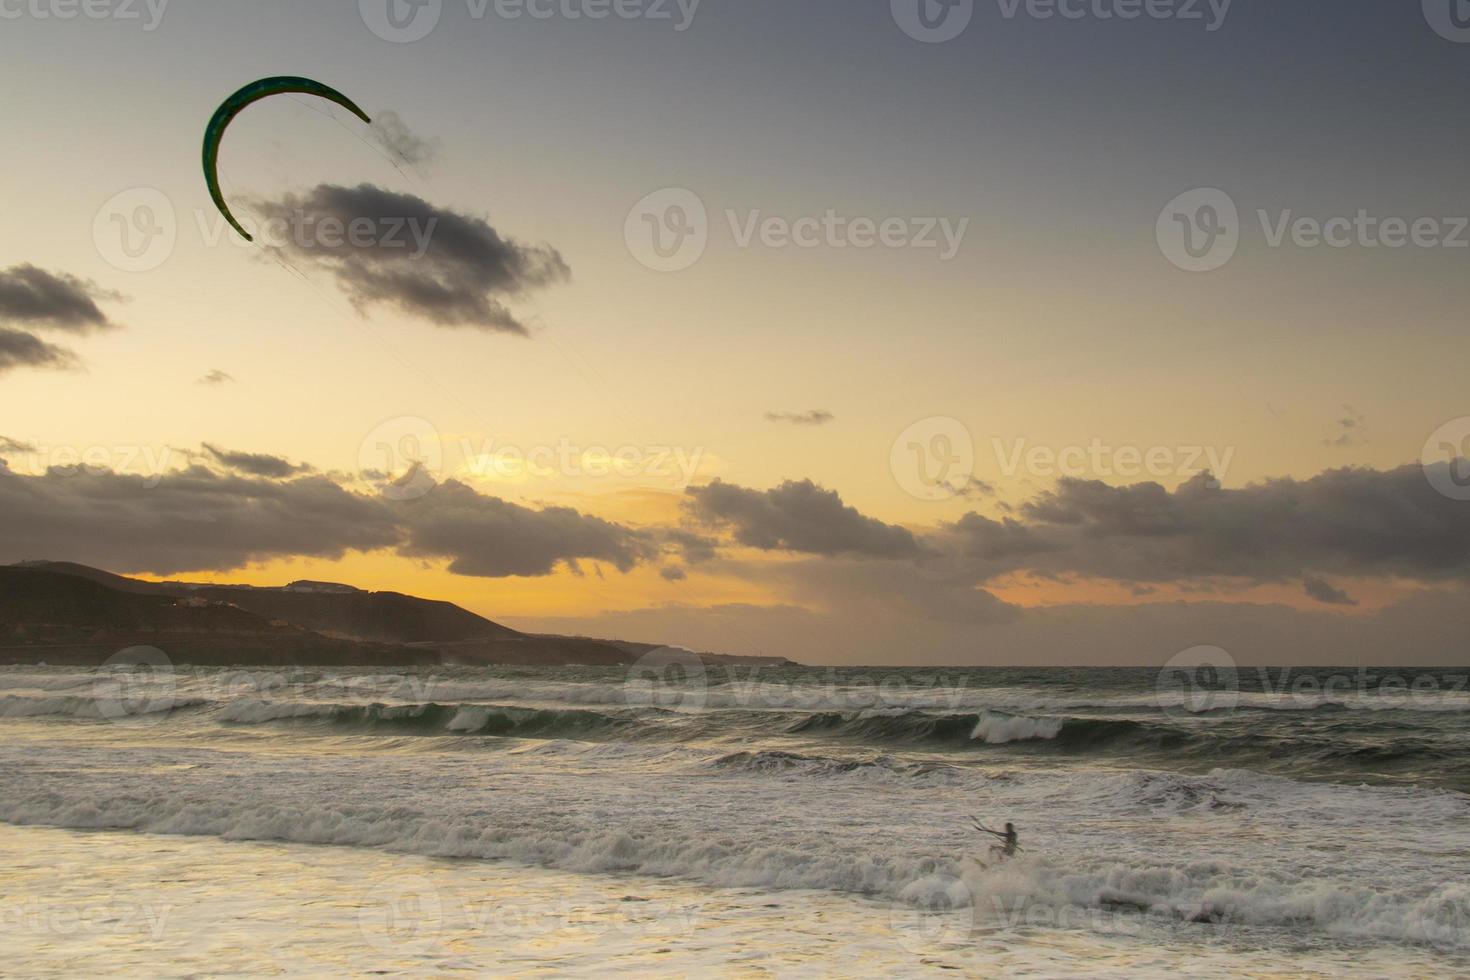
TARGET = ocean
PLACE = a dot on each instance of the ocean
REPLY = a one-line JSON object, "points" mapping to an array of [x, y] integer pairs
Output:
{"points": [[733, 819]]}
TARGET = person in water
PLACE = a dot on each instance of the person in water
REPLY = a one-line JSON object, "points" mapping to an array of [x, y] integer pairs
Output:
{"points": [[1010, 840]]}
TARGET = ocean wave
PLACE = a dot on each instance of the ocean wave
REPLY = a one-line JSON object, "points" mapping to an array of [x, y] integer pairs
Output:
{"points": [[775, 762], [95, 708], [1210, 894], [433, 718]]}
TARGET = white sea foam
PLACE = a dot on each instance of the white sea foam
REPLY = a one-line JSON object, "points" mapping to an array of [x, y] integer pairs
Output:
{"points": [[995, 729]]}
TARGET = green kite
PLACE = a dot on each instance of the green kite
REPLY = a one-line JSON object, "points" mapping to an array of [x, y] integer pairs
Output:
{"points": [[235, 104]]}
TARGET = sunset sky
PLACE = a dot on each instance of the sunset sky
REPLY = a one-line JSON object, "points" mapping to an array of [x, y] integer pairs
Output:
{"points": [[234, 405]]}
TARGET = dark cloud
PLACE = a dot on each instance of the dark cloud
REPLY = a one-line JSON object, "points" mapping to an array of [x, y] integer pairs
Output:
{"points": [[990, 540], [187, 520], [1349, 430], [402, 143], [216, 377], [8, 445], [20, 349], [33, 298], [693, 547], [1323, 591], [798, 516], [1352, 521], [53, 300], [973, 489], [489, 537], [198, 519], [816, 416], [255, 464], [673, 573], [448, 267], [928, 590]]}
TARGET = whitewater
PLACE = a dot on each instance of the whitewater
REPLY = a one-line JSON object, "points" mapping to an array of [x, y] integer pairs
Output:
{"points": [[733, 819]]}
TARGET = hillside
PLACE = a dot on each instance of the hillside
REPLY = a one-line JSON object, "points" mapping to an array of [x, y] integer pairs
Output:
{"points": [[65, 612]]}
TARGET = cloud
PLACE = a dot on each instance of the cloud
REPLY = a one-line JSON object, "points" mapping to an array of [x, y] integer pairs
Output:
{"points": [[1351, 521], [816, 416], [52, 300], [20, 349], [1348, 430], [693, 547], [39, 300], [1323, 591], [797, 516], [673, 573], [493, 538], [188, 520], [9, 445], [255, 464], [215, 378], [448, 267], [973, 488], [200, 519], [402, 143]]}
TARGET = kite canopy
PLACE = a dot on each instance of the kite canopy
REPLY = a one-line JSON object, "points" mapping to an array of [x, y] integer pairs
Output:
{"points": [[235, 104]]}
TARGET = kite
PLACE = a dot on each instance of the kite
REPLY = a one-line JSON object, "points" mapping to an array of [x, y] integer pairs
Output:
{"points": [[235, 104]]}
